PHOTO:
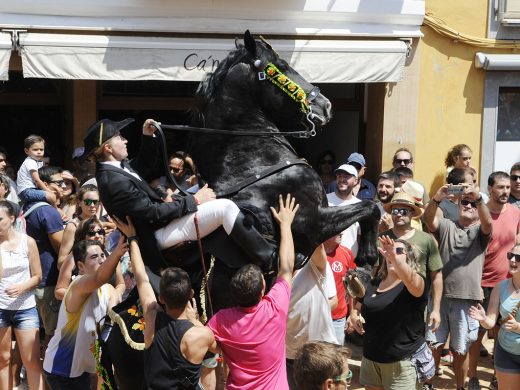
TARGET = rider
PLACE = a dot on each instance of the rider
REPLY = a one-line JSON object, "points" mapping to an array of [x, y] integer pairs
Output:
{"points": [[159, 225]]}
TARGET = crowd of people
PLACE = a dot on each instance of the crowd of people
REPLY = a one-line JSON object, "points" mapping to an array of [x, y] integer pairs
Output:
{"points": [[73, 245]]}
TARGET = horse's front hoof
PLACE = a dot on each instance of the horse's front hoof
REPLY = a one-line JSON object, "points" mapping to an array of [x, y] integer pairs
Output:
{"points": [[299, 261]]}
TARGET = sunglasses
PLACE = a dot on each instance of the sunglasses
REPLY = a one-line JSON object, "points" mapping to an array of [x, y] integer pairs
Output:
{"points": [[326, 161], [465, 202], [511, 255], [58, 182], [91, 202], [404, 161], [514, 177], [93, 233], [400, 250], [403, 212], [176, 170], [346, 377]]}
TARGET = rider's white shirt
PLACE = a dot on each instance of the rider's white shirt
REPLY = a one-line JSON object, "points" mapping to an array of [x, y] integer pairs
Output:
{"points": [[117, 164]]}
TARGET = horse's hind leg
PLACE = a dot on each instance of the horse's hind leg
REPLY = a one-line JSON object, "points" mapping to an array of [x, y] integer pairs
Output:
{"points": [[336, 219]]}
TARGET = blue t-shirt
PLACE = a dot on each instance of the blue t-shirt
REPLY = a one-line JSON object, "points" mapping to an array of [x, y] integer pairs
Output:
{"points": [[41, 222]]}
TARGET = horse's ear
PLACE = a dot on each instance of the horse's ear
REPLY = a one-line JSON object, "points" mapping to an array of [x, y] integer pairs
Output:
{"points": [[250, 43]]}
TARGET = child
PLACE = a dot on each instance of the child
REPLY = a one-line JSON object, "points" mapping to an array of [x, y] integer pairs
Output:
{"points": [[30, 186]]}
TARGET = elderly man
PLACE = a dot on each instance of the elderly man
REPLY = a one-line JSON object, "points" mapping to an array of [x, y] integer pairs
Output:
{"points": [[124, 192], [462, 246]]}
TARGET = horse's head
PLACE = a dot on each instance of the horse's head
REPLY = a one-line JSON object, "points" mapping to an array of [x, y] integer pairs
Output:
{"points": [[254, 81]]}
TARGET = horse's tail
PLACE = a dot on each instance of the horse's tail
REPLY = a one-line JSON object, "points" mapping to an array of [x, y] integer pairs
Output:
{"points": [[336, 219]]}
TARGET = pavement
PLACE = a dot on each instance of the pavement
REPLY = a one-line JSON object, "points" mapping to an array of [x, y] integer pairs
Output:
{"points": [[446, 381]]}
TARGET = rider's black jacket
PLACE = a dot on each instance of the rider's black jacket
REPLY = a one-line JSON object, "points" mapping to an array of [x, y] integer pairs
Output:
{"points": [[123, 195]]}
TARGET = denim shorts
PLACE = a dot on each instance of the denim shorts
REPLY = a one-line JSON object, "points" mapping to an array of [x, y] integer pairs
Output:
{"points": [[32, 195], [456, 322], [505, 361], [20, 319]]}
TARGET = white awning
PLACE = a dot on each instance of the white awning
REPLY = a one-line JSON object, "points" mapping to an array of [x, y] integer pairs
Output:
{"points": [[103, 57], [5, 54]]}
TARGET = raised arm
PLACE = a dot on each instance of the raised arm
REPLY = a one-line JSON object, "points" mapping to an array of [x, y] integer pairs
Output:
{"points": [[285, 216], [430, 216], [67, 242], [472, 193], [413, 282]]}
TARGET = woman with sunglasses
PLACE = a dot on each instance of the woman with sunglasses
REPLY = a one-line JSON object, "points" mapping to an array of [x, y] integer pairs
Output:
{"points": [[68, 199], [504, 303], [87, 205], [392, 321], [90, 229], [325, 167]]}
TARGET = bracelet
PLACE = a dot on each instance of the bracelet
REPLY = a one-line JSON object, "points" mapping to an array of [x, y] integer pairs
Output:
{"points": [[436, 201], [132, 238]]}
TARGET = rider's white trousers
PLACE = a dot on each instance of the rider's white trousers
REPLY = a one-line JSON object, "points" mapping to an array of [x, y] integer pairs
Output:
{"points": [[211, 215]]}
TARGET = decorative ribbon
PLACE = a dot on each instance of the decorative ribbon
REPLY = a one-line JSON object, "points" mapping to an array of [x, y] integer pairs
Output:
{"points": [[276, 76]]}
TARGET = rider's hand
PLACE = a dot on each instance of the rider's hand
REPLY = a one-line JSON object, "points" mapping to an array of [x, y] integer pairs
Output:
{"points": [[205, 194], [287, 211], [148, 128]]}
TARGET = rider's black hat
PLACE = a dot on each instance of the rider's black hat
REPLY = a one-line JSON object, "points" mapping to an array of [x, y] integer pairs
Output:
{"points": [[102, 131]]}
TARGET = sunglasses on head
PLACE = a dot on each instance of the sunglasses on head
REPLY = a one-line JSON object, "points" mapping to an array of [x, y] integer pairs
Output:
{"points": [[400, 250], [93, 233], [511, 255], [465, 202], [514, 177], [404, 161], [91, 202], [403, 212]]}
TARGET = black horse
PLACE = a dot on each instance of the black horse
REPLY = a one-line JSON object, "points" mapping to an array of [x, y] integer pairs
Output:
{"points": [[256, 94]]}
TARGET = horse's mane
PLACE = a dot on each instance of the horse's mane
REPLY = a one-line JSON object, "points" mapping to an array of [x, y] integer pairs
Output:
{"points": [[208, 87]]}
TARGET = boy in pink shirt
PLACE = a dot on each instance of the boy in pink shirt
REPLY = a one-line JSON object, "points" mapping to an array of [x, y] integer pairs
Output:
{"points": [[252, 334]]}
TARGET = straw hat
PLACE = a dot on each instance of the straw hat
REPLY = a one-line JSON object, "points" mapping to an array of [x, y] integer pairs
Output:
{"points": [[415, 190], [403, 199]]}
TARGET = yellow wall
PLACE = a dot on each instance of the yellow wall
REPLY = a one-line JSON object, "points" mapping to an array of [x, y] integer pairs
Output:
{"points": [[451, 89]]}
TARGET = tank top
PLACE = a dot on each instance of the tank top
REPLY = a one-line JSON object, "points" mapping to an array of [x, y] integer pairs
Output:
{"points": [[68, 353], [16, 270], [164, 365], [509, 341]]}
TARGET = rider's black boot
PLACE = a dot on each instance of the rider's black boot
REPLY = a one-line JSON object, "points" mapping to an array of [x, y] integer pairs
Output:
{"points": [[263, 252]]}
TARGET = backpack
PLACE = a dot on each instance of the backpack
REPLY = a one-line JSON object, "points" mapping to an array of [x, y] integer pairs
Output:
{"points": [[20, 224]]}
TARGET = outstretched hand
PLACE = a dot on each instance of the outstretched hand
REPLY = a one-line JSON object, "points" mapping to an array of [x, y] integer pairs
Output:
{"points": [[287, 211], [477, 312], [127, 228]]}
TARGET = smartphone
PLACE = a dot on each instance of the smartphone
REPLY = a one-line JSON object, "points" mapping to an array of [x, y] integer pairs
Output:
{"points": [[456, 189]]}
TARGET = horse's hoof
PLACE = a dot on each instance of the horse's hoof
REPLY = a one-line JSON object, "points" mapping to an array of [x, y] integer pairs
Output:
{"points": [[299, 261]]}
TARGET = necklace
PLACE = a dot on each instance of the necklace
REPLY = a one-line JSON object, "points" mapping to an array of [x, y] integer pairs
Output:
{"points": [[517, 290]]}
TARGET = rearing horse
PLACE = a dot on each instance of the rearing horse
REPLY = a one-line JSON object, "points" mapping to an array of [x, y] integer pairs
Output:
{"points": [[254, 90]]}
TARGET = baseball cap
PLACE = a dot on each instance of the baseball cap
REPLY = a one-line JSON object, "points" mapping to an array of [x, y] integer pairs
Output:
{"points": [[348, 169], [357, 158]]}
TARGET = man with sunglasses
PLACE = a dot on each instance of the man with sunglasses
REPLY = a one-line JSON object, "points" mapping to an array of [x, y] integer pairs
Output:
{"points": [[402, 209], [514, 176], [404, 158], [506, 229], [462, 246], [45, 225]]}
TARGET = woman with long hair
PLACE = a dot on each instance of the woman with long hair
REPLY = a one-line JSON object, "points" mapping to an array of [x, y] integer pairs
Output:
{"points": [[505, 300], [21, 273], [325, 167], [458, 156], [392, 321], [68, 199]]}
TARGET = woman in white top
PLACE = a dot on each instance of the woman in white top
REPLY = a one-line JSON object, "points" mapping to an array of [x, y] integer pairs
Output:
{"points": [[21, 274]]}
